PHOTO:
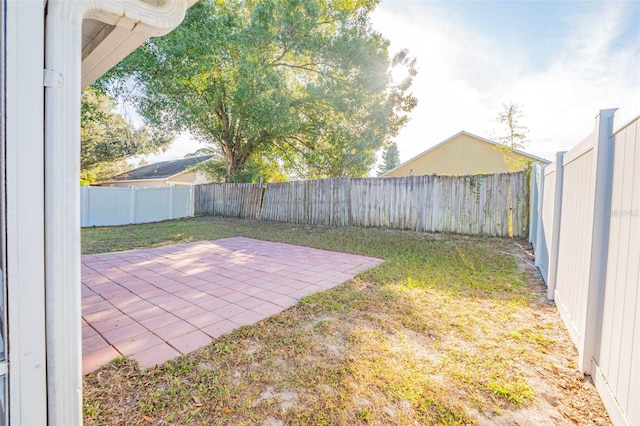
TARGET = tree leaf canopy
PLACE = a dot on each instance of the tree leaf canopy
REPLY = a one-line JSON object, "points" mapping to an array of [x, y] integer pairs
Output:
{"points": [[306, 81]]}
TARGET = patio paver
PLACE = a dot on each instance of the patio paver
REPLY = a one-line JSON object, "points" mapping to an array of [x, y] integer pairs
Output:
{"points": [[156, 304]]}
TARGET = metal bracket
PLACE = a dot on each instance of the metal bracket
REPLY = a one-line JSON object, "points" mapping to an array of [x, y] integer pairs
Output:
{"points": [[53, 79]]}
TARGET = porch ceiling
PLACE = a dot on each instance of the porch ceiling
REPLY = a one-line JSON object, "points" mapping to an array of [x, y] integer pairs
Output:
{"points": [[104, 45]]}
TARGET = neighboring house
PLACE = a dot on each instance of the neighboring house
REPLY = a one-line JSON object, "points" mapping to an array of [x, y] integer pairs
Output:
{"points": [[461, 154], [162, 174]]}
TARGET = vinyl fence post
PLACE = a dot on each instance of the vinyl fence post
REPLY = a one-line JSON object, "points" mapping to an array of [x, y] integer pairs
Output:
{"points": [[171, 202], [603, 171], [192, 200], [533, 202], [84, 203], [132, 212], [555, 238], [540, 202]]}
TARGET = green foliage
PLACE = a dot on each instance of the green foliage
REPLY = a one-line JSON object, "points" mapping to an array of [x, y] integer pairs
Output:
{"points": [[256, 169], [103, 171], [516, 392], [513, 136], [304, 82], [390, 158], [108, 139]]}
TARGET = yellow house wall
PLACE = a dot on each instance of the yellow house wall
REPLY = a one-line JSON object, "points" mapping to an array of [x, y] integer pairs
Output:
{"points": [[182, 178], [464, 155]]}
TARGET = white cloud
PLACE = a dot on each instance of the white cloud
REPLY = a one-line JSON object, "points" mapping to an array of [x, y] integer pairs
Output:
{"points": [[465, 76], [457, 72]]}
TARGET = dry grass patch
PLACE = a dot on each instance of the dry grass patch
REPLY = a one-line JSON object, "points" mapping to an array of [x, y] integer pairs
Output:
{"points": [[449, 330]]}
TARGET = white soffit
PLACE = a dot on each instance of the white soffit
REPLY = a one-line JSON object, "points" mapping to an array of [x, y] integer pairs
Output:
{"points": [[104, 45]]}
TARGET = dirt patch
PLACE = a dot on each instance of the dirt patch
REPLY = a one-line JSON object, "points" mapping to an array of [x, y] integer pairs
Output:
{"points": [[564, 394]]}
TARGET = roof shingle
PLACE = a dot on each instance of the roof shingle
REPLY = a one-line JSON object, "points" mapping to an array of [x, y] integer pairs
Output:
{"points": [[161, 170]]}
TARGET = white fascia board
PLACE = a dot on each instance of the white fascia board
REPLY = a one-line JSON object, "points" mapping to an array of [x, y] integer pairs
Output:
{"points": [[517, 151]]}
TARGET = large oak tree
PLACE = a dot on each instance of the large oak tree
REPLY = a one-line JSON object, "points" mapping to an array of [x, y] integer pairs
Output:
{"points": [[304, 81]]}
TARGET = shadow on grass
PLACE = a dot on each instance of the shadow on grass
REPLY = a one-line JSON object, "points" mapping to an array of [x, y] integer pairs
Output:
{"points": [[438, 333]]}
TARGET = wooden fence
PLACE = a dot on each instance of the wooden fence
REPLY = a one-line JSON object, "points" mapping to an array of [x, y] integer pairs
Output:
{"points": [[230, 200], [495, 205], [313, 202], [473, 205]]}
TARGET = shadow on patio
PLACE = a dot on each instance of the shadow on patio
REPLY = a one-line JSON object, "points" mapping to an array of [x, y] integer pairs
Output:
{"points": [[153, 305]]}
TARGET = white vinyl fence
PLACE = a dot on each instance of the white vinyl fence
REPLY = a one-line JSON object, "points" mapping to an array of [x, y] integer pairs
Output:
{"points": [[109, 206], [587, 245]]}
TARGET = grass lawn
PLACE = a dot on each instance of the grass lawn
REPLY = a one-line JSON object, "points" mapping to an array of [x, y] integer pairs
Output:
{"points": [[448, 330]]}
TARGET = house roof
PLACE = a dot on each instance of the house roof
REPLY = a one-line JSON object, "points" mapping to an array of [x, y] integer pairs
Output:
{"points": [[161, 170], [489, 141]]}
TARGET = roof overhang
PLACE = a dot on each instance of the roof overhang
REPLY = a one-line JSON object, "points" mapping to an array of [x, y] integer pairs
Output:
{"points": [[105, 42]]}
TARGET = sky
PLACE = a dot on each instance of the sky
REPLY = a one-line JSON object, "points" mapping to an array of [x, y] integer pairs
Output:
{"points": [[562, 61]]}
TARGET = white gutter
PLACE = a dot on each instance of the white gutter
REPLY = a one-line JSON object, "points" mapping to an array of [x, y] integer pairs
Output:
{"points": [[62, 80]]}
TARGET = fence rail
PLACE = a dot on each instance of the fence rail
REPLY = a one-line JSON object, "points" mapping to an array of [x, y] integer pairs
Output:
{"points": [[495, 205], [110, 206], [586, 244]]}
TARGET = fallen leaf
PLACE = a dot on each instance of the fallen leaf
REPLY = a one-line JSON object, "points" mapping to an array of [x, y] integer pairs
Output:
{"points": [[147, 418]]}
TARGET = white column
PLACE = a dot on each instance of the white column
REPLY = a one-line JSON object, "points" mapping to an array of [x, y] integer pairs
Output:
{"points": [[62, 213], [25, 213], [63, 44]]}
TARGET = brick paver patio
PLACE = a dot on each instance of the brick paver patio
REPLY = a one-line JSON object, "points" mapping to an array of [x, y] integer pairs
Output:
{"points": [[153, 305]]}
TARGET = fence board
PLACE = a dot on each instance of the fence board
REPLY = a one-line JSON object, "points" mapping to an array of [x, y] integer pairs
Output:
{"points": [[619, 361], [240, 200], [483, 204]]}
